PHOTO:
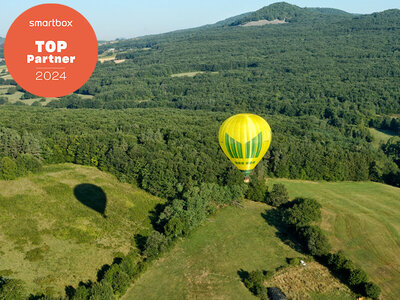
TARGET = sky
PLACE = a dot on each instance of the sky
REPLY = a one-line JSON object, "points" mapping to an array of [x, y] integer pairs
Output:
{"points": [[113, 19]]}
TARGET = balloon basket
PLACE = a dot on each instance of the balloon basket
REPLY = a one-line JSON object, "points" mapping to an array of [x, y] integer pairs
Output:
{"points": [[246, 174]]}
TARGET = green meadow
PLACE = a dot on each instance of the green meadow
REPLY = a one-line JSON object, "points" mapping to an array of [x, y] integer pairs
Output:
{"points": [[380, 136], [206, 264], [50, 239], [363, 219], [359, 217]]}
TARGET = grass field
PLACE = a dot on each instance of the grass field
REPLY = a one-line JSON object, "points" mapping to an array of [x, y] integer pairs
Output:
{"points": [[380, 136], [107, 57], [11, 98], [49, 239], [359, 217], [311, 281], [363, 219], [205, 265], [17, 95], [191, 74], [5, 75]]}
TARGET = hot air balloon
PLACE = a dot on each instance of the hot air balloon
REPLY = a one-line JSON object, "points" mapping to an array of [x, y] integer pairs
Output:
{"points": [[245, 138]]}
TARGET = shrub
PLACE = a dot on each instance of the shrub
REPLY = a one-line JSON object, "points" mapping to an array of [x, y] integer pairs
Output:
{"points": [[156, 243], [139, 268], [183, 215], [8, 169], [254, 282], [314, 240], [294, 261], [254, 279], [357, 276], [12, 289], [278, 196], [337, 261], [128, 264], [347, 268], [371, 290], [268, 274], [81, 293], [257, 189], [175, 227], [302, 212], [118, 279], [101, 291], [262, 292]]}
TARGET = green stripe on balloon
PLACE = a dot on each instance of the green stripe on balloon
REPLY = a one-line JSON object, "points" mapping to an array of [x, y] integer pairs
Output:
{"points": [[259, 144], [239, 149], [228, 147], [233, 147], [248, 149]]}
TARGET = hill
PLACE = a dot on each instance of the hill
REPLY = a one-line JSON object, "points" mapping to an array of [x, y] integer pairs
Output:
{"points": [[290, 13], [50, 236], [329, 11], [363, 220], [292, 69], [206, 265], [360, 218]]}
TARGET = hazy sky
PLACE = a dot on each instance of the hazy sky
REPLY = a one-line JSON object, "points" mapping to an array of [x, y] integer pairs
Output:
{"points": [[130, 18]]}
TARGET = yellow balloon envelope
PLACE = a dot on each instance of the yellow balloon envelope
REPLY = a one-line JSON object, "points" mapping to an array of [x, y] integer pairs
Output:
{"points": [[245, 138]]}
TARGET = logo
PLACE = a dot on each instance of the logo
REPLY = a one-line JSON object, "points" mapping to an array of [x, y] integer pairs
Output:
{"points": [[51, 50]]}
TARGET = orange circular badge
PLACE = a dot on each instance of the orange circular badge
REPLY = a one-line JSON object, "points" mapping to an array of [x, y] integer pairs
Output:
{"points": [[51, 50]]}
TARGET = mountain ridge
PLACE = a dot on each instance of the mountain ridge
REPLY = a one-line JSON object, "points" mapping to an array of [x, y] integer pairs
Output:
{"points": [[291, 13], [315, 13]]}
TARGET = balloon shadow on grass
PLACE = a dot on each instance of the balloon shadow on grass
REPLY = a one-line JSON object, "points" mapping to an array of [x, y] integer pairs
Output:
{"points": [[91, 196]]}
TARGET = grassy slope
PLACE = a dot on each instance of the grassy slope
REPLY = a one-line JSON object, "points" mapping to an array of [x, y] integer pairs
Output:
{"points": [[362, 218], [17, 95], [205, 265], [380, 136], [41, 211], [191, 74]]}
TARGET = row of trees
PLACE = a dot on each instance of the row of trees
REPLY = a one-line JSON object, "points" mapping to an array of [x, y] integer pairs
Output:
{"points": [[168, 151], [348, 272], [20, 154], [300, 217], [22, 165], [386, 123]]}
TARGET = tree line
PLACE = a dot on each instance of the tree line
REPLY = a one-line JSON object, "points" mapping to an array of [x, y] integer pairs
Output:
{"points": [[298, 220]]}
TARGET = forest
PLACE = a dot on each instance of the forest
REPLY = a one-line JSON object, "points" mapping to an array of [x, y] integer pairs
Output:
{"points": [[340, 74]]}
